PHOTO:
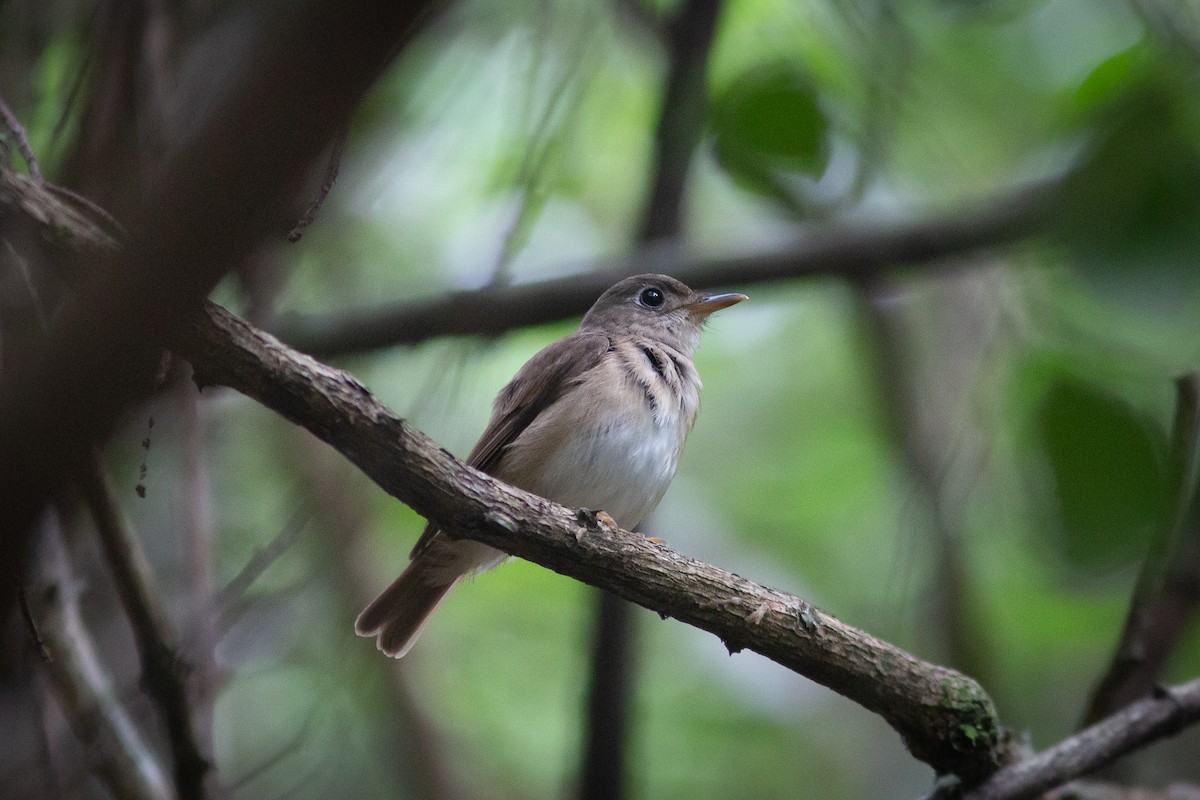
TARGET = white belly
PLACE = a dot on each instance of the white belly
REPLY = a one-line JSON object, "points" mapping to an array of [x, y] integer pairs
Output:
{"points": [[622, 467], [607, 450]]}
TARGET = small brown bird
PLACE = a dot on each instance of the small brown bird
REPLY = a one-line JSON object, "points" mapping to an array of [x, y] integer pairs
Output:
{"points": [[595, 420]]}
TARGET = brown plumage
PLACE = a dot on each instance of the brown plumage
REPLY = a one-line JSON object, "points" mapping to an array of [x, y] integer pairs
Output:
{"points": [[597, 419]]}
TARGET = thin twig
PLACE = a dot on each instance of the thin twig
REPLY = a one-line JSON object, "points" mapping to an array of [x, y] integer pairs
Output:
{"points": [[1167, 593], [93, 206], [66, 226], [163, 673], [77, 84], [31, 625], [230, 601], [288, 748], [199, 627], [543, 139], [125, 761], [925, 444], [332, 165], [18, 133], [1137, 725]]}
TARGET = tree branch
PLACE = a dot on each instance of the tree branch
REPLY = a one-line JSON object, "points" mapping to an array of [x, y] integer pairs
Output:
{"points": [[1167, 594], [1137, 725], [328, 177], [204, 215], [1102, 790], [10, 121], [198, 627], [163, 673], [944, 717], [122, 756], [687, 40], [24, 201], [413, 747], [231, 602], [614, 641], [847, 250]]}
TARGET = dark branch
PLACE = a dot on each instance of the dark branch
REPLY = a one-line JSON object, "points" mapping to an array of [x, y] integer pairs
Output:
{"points": [[231, 602], [847, 250], [18, 133], [205, 215], [163, 673], [687, 41], [1137, 725], [330, 176], [1167, 595], [944, 717], [688, 37], [614, 643], [124, 759]]}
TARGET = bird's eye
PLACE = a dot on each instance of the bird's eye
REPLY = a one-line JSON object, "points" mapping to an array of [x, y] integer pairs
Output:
{"points": [[651, 298]]}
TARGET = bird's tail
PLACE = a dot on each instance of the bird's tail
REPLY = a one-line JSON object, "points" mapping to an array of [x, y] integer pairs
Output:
{"points": [[396, 617]]}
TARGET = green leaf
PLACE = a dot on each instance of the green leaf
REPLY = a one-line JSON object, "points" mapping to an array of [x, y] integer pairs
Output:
{"points": [[1130, 212], [769, 122], [1108, 470], [1111, 78]]}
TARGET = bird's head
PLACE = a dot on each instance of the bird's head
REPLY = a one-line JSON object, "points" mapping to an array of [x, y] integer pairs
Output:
{"points": [[656, 307]]}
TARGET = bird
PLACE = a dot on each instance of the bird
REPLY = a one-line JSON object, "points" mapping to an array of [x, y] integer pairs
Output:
{"points": [[595, 420]]}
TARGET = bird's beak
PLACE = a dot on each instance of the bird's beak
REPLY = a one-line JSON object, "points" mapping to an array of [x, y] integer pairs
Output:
{"points": [[708, 303]]}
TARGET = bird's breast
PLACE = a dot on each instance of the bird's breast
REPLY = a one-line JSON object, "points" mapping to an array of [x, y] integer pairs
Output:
{"points": [[613, 441]]}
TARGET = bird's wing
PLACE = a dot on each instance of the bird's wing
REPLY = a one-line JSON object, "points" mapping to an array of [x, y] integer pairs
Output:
{"points": [[543, 379]]}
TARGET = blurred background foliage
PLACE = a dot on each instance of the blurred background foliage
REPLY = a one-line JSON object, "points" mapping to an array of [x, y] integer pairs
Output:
{"points": [[969, 462]]}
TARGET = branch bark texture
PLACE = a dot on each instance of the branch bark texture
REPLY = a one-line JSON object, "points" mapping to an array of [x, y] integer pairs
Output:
{"points": [[944, 717], [1135, 726]]}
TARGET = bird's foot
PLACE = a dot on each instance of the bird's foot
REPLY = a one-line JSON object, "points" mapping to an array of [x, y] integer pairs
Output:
{"points": [[592, 519]]}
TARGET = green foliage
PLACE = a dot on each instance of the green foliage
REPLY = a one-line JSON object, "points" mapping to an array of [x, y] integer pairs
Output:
{"points": [[1107, 467], [1049, 452], [1131, 208], [769, 123], [1040, 381]]}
